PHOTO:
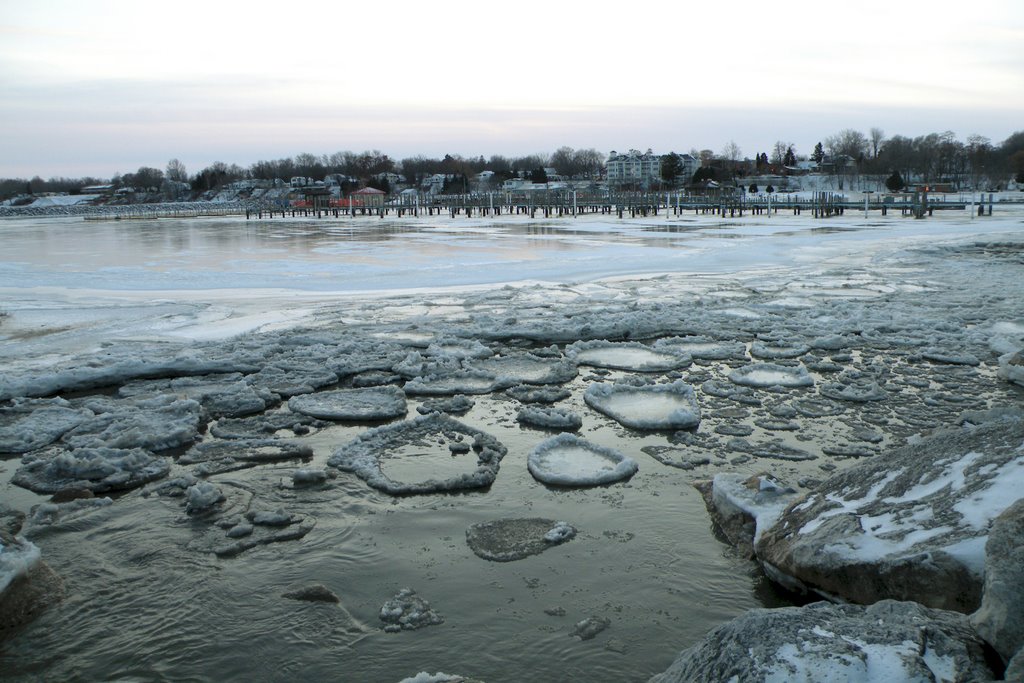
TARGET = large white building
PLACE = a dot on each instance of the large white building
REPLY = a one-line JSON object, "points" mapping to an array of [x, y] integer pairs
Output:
{"points": [[633, 168]]}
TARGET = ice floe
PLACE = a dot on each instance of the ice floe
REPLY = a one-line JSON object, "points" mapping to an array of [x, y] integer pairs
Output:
{"points": [[407, 611], [705, 348], [17, 558], [153, 424], [418, 439], [217, 457], [651, 406], [567, 460], [374, 403], [631, 356], [97, 469], [549, 418], [530, 394], [29, 424], [762, 375], [507, 540], [456, 405]]}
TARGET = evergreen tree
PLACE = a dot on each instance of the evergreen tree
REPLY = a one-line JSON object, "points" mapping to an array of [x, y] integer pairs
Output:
{"points": [[790, 158], [895, 182], [753, 188], [671, 167], [539, 175], [819, 153]]}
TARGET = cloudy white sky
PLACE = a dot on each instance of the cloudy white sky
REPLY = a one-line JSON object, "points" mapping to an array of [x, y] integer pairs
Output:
{"points": [[106, 86]]}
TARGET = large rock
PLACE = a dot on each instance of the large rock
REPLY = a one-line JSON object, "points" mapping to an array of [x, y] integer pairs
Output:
{"points": [[896, 642], [1000, 620], [910, 524], [743, 506], [27, 585]]}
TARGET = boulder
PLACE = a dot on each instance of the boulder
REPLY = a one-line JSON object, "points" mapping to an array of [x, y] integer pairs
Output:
{"points": [[910, 524], [27, 585], [889, 641], [1000, 619], [741, 506]]}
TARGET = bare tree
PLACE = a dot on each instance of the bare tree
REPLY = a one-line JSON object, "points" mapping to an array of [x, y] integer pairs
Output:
{"points": [[779, 152], [176, 171], [732, 151], [877, 138]]}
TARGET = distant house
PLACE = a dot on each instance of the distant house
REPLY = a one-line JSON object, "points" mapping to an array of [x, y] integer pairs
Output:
{"points": [[690, 165], [633, 168], [368, 196], [97, 189]]}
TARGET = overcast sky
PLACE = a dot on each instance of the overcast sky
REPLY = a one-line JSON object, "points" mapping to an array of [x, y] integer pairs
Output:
{"points": [[99, 87]]}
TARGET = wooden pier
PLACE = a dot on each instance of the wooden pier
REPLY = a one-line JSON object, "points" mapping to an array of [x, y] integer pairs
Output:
{"points": [[562, 203]]}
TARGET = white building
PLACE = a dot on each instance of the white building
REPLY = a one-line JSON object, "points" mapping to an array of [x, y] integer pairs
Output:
{"points": [[633, 168]]}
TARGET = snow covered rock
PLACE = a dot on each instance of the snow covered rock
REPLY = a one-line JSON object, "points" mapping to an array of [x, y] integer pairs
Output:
{"points": [[764, 375], [1000, 619], [374, 403], [631, 356], [507, 540], [909, 525], [408, 611], [653, 406], [743, 506], [29, 424], [895, 642], [96, 469], [567, 460], [419, 439], [27, 585]]}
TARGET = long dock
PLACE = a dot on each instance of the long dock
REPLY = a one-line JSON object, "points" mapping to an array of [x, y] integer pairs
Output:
{"points": [[635, 204]]}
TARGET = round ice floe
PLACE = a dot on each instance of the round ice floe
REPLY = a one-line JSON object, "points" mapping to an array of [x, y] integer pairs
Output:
{"points": [[420, 448], [856, 392], [771, 375], [527, 369], [549, 418], [456, 405], [654, 406], [507, 540], [778, 349], [96, 469], [704, 347], [631, 356], [527, 394], [459, 382], [567, 460], [373, 403], [458, 348]]}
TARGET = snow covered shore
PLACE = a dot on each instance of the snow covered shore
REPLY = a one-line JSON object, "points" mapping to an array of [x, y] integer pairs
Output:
{"points": [[805, 367]]}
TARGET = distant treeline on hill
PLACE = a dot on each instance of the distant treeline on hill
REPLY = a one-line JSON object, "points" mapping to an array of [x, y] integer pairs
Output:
{"points": [[936, 157]]}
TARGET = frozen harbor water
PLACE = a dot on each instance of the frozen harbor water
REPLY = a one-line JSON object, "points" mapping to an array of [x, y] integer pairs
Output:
{"points": [[218, 323]]}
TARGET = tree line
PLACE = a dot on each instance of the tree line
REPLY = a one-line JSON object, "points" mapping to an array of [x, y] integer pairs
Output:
{"points": [[975, 163]]}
